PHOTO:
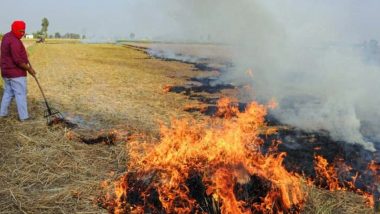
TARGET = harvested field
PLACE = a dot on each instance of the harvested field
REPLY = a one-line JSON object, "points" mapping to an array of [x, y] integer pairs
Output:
{"points": [[102, 88], [99, 87], [108, 85]]}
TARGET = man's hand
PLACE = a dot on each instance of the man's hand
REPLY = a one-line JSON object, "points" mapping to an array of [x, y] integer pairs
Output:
{"points": [[31, 71], [28, 67]]}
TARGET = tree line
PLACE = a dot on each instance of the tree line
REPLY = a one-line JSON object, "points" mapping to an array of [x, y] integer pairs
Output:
{"points": [[43, 33], [57, 35]]}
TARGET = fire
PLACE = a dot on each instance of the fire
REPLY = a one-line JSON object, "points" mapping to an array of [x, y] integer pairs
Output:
{"points": [[272, 104], [326, 174], [226, 109], [167, 88], [211, 166], [374, 168], [328, 177], [70, 135]]}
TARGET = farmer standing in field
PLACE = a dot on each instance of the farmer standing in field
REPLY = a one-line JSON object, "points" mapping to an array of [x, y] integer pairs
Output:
{"points": [[14, 65]]}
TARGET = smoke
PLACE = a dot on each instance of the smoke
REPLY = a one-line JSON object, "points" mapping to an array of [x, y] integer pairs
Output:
{"points": [[303, 54]]}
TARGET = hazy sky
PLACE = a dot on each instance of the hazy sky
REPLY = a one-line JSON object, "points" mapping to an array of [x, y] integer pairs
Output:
{"points": [[152, 18]]}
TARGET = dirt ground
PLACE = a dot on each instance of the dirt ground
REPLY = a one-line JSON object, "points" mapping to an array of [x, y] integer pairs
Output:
{"points": [[99, 87]]}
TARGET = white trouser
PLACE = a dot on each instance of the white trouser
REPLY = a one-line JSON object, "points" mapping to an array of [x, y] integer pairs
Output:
{"points": [[15, 87]]}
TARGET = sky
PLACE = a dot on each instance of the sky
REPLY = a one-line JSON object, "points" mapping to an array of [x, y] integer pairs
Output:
{"points": [[159, 18], [92, 17]]}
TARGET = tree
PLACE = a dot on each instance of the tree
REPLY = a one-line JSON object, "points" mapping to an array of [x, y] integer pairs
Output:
{"points": [[43, 33], [45, 25], [83, 36], [57, 35], [71, 36]]}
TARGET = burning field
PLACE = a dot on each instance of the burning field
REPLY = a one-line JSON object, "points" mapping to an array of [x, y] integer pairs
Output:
{"points": [[154, 135], [216, 166], [221, 165]]}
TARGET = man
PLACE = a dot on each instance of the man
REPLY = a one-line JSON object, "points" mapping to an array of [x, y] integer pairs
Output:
{"points": [[14, 66]]}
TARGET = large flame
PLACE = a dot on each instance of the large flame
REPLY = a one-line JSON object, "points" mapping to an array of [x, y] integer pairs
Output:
{"points": [[216, 163]]}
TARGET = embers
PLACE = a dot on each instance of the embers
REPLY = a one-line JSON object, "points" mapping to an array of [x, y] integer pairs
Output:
{"points": [[106, 138], [139, 193], [91, 138], [190, 89], [64, 122]]}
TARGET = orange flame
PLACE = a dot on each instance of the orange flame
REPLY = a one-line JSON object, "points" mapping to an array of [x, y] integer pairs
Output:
{"points": [[327, 176], [167, 88], [223, 152], [327, 173], [226, 109], [375, 168]]}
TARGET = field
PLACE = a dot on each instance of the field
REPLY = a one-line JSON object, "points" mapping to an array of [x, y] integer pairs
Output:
{"points": [[105, 85], [103, 88]]}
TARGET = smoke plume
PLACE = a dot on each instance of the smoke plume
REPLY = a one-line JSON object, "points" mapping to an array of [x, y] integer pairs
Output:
{"points": [[306, 55]]}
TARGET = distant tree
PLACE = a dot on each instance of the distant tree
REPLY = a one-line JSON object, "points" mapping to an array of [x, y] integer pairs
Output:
{"points": [[1, 35], [83, 36], [51, 36], [132, 36], [71, 36], [45, 25], [57, 35], [43, 33]]}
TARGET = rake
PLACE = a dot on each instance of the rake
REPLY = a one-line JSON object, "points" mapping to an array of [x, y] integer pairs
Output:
{"points": [[52, 115]]}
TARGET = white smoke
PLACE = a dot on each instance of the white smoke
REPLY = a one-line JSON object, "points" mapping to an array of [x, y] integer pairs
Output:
{"points": [[302, 54]]}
